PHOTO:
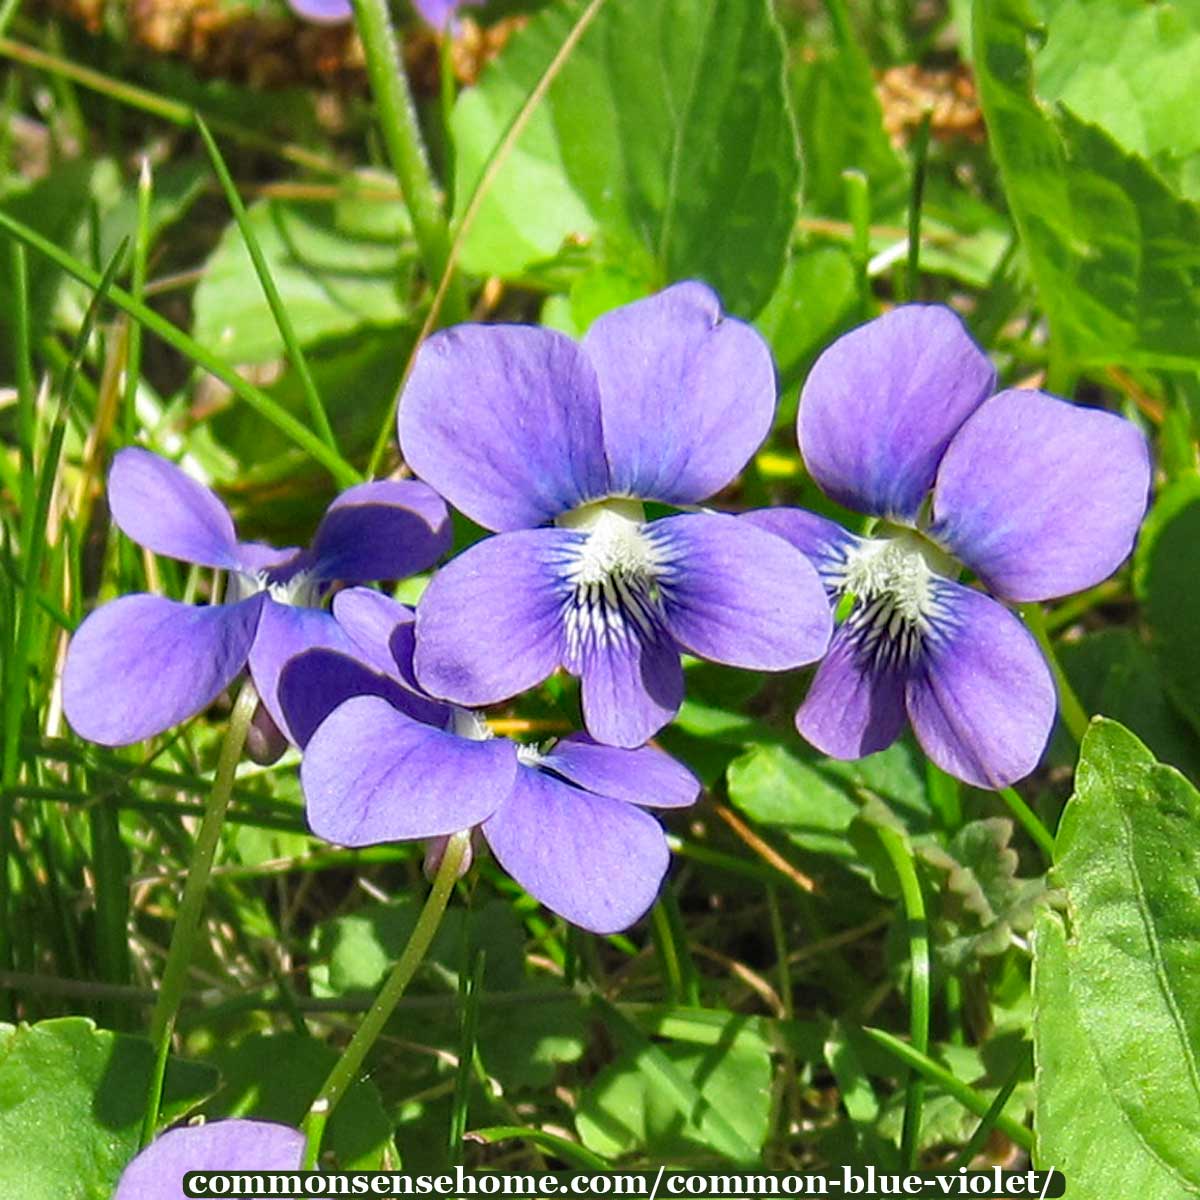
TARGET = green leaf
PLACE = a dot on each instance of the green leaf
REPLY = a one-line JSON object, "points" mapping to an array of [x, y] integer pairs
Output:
{"points": [[841, 127], [983, 902], [333, 279], [71, 1101], [667, 135], [1128, 854], [1114, 252], [520, 1044], [1114, 672], [274, 1078], [1168, 559], [1081, 1128], [1130, 68], [627, 1108], [814, 799]]}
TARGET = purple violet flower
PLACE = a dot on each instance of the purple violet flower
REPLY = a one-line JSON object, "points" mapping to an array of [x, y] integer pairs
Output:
{"points": [[1038, 497], [437, 14], [143, 663], [384, 763], [555, 445], [234, 1145]]}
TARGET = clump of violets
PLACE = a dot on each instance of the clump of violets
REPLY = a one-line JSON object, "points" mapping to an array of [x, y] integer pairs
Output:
{"points": [[1037, 497], [437, 14], [556, 446], [384, 763], [235, 1145], [142, 663]]}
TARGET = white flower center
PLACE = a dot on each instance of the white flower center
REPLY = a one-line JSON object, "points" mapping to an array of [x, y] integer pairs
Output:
{"points": [[612, 575], [467, 723], [893, 583], [301, 590], [529, 756]]}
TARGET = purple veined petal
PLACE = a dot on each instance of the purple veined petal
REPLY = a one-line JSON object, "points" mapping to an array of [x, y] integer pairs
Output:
{"points": [[1039, 497], [370, 774], [823, 542], [141, 664], [371, 619], [387, 529], [646, 775], [734, 593], [285, 631], [631, 680], [851, 709], [687, 394], [489, 624], [882, 403], [323, 12], [313, 684], [153, 502], [439, 13], [504, 421], [597, 862], [981, 699], [234, 1145]]}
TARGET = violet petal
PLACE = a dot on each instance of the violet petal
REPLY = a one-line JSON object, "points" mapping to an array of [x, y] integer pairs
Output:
{"points": [[141, 664]]}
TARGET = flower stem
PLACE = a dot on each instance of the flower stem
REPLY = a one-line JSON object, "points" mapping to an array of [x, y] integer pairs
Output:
{"points": [[405, 147], [1030, 821], [919, 984], [346, 1069], [187, 922], [1074, 715]]}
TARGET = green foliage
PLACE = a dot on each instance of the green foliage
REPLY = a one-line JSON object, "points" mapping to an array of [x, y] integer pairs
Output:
{"points": [[336, 267], [667, 137], [1168, 558], [1112, 248], [1117, 984], [71, 1102]]}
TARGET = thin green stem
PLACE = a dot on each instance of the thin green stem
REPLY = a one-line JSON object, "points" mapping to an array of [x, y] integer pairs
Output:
{"points": [[191, 906], [287, 331], [1074, 715], [919, 983], [920, 152], [262, 403], [488, 176], [950, 1083], [989, 1119], [137, 291], [1029, 821], [406, 150], [346, 1069], [858, 208]]}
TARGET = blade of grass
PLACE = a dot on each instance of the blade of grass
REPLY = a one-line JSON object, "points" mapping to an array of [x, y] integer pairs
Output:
{"points": [[919, 983], [34, 520], [935, 1073], [267, 407], [287, 331], [663, 1074], [570, 1152], [158, 106], [137, 290], [504, 147], [469, 985]]}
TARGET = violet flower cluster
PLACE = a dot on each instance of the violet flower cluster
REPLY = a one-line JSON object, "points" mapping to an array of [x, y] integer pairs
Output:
{"points": [[1037, 497], [557, 447]]}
